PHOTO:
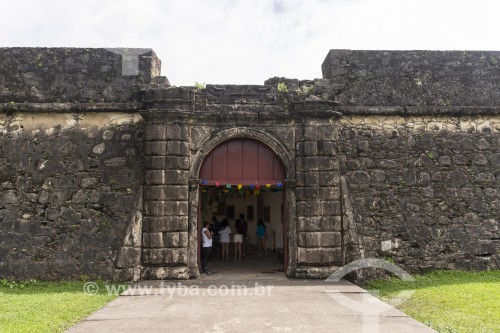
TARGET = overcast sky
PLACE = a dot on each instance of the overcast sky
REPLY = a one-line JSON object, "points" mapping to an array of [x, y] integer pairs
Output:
{"points": [[248, 41]]}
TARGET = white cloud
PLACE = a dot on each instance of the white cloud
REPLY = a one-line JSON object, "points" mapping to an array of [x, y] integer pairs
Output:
{"points": [[248, 41]]}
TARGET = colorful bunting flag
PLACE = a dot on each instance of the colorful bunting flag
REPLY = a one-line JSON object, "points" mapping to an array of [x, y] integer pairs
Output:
{"points": [[217, 184], [268, 185], [280, 185], [240, 186], [204, 182], [228, 185]]}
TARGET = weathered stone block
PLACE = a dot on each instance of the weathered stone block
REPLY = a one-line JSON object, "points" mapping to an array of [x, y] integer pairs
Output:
{"points": [[329, 192], [444, 160], [460, 160], [155, 162], [480, 159], [155, 208], [319, 239], [177, 132], [310, 178], [328, 163], [155, 148], [327, 178], [319, 256], [172, 208], [329, 208], [129, 257], [145, 239], [360, 177], [176, 177], [155, 193], [457, 178], [176, 192], [165, 223], [177, 162], [176, 239], [388, 164], [155, 132], [177, 148], [310, 148], [156, 239], [161, 273], [308, 208], [318, 133], [495, 159], [326, 148], [176, 256], [307, 193], [153, 256], [89, 182], [155, 177]]}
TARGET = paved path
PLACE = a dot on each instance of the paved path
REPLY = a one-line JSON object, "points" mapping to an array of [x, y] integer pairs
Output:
{"points": [[241, 301]]}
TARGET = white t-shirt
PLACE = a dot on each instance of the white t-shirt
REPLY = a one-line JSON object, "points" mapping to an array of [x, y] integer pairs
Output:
{"points": [[224, 235], [206, 241]]}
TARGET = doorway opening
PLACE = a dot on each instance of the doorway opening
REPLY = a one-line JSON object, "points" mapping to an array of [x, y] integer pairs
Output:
{"points": [[242, 182]]}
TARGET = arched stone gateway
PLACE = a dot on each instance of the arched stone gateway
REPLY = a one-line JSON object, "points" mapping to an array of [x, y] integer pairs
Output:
{"points": [[272, 146], [302, 156], [246, 161]]}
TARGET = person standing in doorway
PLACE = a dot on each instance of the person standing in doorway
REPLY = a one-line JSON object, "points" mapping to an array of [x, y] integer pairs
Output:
{"points": [[244, 229], [225, 239], [261, 237], [238, 240], [206, 247]]}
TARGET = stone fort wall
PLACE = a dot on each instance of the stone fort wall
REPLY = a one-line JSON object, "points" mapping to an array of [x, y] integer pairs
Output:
{"points": [[391, 154]]}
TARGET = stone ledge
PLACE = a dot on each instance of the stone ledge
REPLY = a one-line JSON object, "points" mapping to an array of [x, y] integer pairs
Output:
{"points": [[314, 272], [70, 107], [419, 111], [166, 273]]}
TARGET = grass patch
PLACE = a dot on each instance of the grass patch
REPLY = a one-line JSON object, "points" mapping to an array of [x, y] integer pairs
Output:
{"points": [[36, 306], [449, 301]]}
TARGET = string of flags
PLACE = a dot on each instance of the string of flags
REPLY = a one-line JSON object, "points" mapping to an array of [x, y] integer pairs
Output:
{"points": [[247, 190]]}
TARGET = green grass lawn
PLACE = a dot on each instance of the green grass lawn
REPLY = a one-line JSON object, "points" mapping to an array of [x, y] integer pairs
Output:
{"points": [[449, 301], [46, 306]]}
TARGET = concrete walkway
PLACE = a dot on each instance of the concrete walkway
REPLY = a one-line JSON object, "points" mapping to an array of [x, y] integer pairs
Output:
{"points": [[238, 299]]}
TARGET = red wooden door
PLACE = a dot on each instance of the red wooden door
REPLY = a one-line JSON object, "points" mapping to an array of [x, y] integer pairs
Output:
{"points": [[242, 161]]}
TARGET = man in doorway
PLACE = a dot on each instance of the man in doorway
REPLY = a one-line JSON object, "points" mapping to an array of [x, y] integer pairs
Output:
{"points": [[206, 247], [216, 237]]}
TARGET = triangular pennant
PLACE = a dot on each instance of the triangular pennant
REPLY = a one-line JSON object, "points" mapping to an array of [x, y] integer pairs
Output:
{"points": [[268, 185], [240, 186], [217, 184], [280, 184], [228, 185], [204, 182]]}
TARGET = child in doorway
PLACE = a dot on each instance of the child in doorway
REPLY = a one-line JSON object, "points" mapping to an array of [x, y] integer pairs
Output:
{"points": [[261, 237]]}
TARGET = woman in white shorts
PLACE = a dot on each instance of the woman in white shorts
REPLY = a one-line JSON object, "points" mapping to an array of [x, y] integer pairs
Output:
{"points": [[238, 239], [225, 238]]}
